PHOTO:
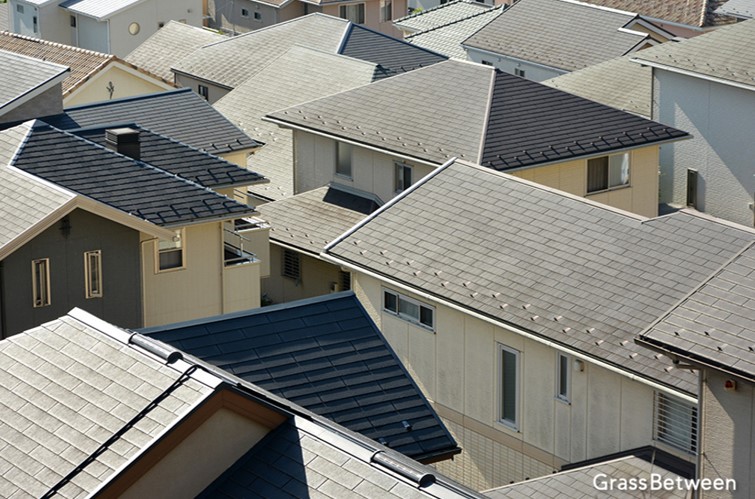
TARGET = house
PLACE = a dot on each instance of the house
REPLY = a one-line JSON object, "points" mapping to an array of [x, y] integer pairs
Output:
{"points": [[713, 331], [326, 355], [516, 306], [705, 85], [169, 44], [741, 10], [93, 77], [216, 69], [377, 139], [447, 38], [131, 241], [242, 16], [92, 409], [32, 89], [537, 39], [617, 82], [116, 27], [4, 15], [441, 15]]}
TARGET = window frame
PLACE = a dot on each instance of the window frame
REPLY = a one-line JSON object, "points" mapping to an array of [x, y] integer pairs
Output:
{"points": [[90, 290], [399, 176], [410, 318], [609, 186], [40, 297], [386, 11], [181, 240], [344, 150], [203, 91], [509, 423], [563, 377], [520, 72], [662, 432], [244, 12], [343, 12], [285, 257]]}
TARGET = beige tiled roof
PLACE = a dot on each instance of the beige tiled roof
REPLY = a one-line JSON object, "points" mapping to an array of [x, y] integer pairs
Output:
{"points": [[726, 54], [297, 76], [618, 83], [65, 388], [690, 12], [168, 45], [82, 62]]}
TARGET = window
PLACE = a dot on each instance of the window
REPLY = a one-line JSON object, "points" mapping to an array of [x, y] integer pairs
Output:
{"points": [[19, 8], [244, 13], [291, 265], [676, 422], [354, 13], [170, 253], [257, 16], [403, 177], [386, 10], [607, 172], [343, 159], [345, 280], [93, 273], [563, 377], [509, 372], [40, 275], [134, 28], [486, 63], [691, 188], [73, 21], [34, 23], [204, 91], [409, 309], [519, 72]]}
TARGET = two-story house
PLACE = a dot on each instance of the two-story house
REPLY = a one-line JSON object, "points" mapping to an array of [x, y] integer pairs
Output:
{"points": [[516, 307]]}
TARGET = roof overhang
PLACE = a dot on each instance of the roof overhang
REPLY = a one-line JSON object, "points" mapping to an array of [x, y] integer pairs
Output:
{"points": [[33, 92], [72, 8], [687, 72], [81, 85]]}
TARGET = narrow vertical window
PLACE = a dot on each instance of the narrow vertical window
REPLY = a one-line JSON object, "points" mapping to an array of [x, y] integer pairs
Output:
{"points": [[509, 386], [204, 91], [403, 177], [291, 265], [345, 280], [93, 273], [563, 377], [40, 272], [692, 188], [343, 160]]}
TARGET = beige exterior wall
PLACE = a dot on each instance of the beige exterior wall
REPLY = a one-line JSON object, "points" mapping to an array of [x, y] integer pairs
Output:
{"points": [[126, 82], [372, 171], [640, 197], [728, 434], [214, 92], [200, 458], [316, 278], [457, 367], [203, 287], [236, 157], [372, 15]]}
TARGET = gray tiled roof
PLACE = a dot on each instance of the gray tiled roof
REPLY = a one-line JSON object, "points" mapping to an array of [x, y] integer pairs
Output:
{"points": [[180, 159], [446, 39], [312, 219], [24, 200], [527, 123], [99, 9], [725, 54], [297, 76], [575, 272], [131, 186], [558, 33], [231, 62], [69, 385], [744, 9], [180, 114], [715, 323], [618, 83], [441, 15], [170, 44], [22, 75], [299, 459], [326, 355], [579, 483]]}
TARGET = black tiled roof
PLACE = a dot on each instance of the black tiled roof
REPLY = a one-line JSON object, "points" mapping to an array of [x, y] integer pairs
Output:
{"points": [[182, 160], [180, 114], [530, 123], [326, 355], [123, 183], [391, 55]]}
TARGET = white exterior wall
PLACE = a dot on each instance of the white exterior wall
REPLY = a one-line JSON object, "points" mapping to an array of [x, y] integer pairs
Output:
{"points": [[457, 367], [372, 171], [532, 71], [92, 34], [721, 119]]}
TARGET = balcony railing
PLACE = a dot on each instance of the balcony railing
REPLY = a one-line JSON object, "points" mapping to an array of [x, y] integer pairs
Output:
{"points": [[233, 246]]}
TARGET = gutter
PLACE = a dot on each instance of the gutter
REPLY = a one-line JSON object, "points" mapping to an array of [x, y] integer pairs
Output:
{"points": [[693, 74]]}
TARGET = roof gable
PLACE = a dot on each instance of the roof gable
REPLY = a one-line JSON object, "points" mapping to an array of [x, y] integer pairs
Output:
{"points": [[574, 272], [326, 355], [24, 77]]}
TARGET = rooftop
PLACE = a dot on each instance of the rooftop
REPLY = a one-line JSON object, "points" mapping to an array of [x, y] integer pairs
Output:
{"points": [[496, 119], [24, 77], [179, 114], [724, 55], [696, 13], [573, 272], [742, 9], [98, 9], [441, 15], [543, 31], [326, 355]]}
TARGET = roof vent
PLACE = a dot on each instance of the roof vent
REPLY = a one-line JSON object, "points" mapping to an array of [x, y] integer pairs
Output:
{"points": [[124, 141]]}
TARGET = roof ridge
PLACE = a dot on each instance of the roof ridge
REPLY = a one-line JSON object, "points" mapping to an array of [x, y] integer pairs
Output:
{"points": [[127, 99], [601, 7], [500, 7], [486, 118], [431, 9], [56, 44]]}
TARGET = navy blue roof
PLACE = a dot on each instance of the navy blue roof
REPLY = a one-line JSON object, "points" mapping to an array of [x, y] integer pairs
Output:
{"points": [[179, 114], [181, 159], [326, 355], [131, 186]]}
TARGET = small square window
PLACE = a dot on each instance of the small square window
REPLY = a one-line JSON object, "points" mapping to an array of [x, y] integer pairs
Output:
{"points": [[291, 265], [73, 21], [390, 302], [19, 8], [519, 72], [170, 253], [40, 274], [257, 16], [486, 63], [607, 172], [93, 273], [353, 13], [244, 13], [204, 91]]}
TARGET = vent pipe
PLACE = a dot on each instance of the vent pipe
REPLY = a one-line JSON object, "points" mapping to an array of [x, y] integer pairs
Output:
{"points": [[124, 141]]}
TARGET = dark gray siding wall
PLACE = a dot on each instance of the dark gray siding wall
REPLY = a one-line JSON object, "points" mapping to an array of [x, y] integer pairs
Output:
{"points": [[64, 244], [47, 103]]}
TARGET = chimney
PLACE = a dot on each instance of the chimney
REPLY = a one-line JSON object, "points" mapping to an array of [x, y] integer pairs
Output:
{"points": [[124, 141]]}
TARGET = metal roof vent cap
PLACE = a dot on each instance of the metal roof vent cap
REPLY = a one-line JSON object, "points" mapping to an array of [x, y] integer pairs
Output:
{"points": [[124, 141]]}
